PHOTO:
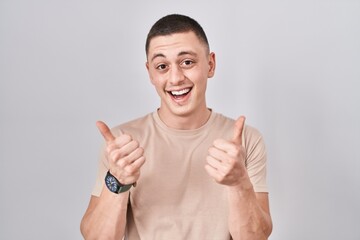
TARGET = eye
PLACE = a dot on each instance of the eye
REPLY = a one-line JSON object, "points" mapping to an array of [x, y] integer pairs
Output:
{"points": [[161, 67], [187, 63]]}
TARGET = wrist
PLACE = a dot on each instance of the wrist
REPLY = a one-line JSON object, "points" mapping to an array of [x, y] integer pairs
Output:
{"points": [[244, 187], [113, 184]]}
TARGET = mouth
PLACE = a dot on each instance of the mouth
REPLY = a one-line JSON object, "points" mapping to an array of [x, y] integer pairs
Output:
{"points": [[180, 94]]}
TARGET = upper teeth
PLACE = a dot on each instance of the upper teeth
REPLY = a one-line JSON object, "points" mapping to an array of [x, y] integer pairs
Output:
{"points": [[181, 92]]}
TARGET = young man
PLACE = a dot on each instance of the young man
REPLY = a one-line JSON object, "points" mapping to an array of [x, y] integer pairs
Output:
{"points": [[204, 174]]}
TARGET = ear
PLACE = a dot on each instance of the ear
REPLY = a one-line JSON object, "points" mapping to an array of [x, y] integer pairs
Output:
{"points": [[212, 65], [148, 70]]}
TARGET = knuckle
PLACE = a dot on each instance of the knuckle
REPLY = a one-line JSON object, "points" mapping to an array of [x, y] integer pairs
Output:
{"points": [[136, 144], [131, 169], [219, 179], [221, 176], [142, 160], [109, 148], [119, 155], [237, 148], [226, 173], [121, 164], [141, 150], [137, 153], [126, 136], [231, 162], [111, 157], [217, 141], [211, 149]]}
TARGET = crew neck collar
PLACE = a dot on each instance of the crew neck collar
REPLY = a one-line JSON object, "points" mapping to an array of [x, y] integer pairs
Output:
{"points": [[204, 127]]}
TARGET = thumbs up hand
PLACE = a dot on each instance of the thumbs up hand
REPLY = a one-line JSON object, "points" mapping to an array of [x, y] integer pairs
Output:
{"points": [[226, 158], [124, 154]]}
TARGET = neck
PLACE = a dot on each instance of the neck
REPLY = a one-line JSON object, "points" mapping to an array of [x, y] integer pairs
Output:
{"points": [[185, 122]]}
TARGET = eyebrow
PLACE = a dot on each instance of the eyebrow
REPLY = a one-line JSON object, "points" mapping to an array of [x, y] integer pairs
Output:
{"points": [[157, 55], [188, 53], [179, 54]]}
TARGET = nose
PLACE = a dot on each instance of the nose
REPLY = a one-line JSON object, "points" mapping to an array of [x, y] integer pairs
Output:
{"points": [[177, 76]]}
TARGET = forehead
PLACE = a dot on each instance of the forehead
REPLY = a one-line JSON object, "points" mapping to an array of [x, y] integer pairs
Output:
{"points": [[176, 43]]}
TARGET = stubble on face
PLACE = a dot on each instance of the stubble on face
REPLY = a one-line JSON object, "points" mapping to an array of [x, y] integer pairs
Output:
{"points": [[179, 66]]}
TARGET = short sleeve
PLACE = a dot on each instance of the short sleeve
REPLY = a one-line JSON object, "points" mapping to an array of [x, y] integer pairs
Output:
{"points": [[255, 158], [102, 170]]}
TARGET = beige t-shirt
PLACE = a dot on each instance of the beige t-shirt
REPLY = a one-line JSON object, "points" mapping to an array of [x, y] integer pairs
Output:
{"points": [[175, 198]]}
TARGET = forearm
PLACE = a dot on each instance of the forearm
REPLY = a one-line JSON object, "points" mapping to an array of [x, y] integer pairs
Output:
{"points": [[107, 219], [247, 219]]}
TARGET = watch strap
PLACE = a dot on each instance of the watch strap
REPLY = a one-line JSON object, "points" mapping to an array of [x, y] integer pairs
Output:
{"points": [[120, 187]]}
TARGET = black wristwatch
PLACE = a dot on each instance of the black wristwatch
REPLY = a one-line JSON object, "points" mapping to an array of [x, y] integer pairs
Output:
{"points": [[114, 185]]}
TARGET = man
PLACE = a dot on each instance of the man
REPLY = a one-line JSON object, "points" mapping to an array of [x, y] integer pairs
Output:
{"points": [[204, 174]]}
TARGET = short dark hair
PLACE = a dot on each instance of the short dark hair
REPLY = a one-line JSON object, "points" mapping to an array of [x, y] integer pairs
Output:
{"points": [[175, 23]]}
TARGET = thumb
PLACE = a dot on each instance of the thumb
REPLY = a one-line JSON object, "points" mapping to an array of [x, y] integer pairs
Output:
{"points": [[238, 129], [105, 131]]}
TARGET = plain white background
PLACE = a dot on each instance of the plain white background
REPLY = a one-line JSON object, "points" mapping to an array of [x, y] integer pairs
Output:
{"points": [[292, 67]]}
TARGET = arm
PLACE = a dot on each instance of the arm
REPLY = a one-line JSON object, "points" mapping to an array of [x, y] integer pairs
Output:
{"points": [[249, 215], [105, 217]]}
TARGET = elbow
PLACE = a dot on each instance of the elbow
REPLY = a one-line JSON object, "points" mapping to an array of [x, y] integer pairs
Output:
{"points": [[269, 229], [92, 231], [258, 232], [266, 231], [84, 229]]}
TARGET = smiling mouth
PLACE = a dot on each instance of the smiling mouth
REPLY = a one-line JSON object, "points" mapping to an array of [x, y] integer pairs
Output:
{"points": [[180, 93]]}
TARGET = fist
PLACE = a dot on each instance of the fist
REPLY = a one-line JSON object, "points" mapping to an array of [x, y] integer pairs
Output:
{"points": [[124, 154], [226, 158]]}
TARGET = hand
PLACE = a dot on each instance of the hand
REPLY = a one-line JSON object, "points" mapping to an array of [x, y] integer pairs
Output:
{"points": [[124, 154], [226, 159]]}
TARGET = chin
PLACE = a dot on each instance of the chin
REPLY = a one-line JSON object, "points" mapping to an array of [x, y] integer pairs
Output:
{"points": [[179, 111], [185, 111]]}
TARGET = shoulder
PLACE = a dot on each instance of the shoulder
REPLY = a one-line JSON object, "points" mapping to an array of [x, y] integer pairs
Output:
{"points": [[222, 119], [251, 135], [133, 127], [253, 142]]}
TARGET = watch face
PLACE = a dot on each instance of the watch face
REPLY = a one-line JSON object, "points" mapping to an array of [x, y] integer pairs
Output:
{"points": [[111, 183]]}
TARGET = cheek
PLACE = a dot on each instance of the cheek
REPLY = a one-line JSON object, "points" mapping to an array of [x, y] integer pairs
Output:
{"points": [[158, 80], [153, 77], [197, 77]]}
